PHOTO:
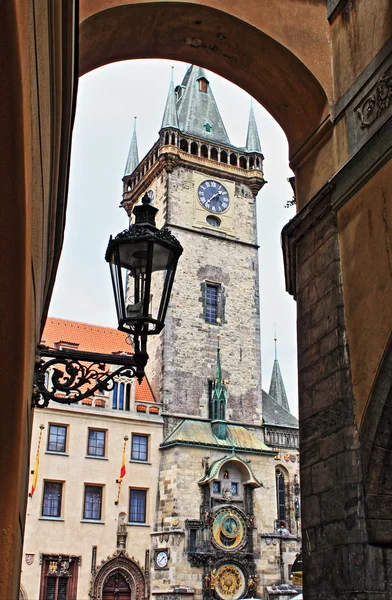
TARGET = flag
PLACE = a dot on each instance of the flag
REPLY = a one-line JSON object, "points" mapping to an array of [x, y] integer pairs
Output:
{"points": [[123, 470], [35, 472]]}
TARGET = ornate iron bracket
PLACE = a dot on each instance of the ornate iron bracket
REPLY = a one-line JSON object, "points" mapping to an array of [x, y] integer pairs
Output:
{"points": [[68, 376]]}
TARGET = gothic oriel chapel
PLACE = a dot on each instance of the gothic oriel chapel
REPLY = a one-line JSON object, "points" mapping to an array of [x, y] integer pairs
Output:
{"points": [[210, 503]]}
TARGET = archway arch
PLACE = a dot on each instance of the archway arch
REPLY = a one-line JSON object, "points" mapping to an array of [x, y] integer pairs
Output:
{"points": [[202, 35], [128, 572]]}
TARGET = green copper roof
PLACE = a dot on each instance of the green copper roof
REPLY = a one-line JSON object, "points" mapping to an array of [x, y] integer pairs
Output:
{"points": [[197, 111], [133, 155], [170, 118], [252, 138], [277, 389], [200, 433], [213, 471]]}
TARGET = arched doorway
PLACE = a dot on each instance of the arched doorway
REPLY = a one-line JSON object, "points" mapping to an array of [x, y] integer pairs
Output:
{"points": [[120, 577], [116, 587]]}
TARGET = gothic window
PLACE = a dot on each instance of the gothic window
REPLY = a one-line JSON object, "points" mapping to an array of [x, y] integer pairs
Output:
{"points": [[224, 156], [233, 159], [214, 154], [203, 85], [59, 577], [242, 162], [184, 146], [121, 397], [204, 151], [139, 447], [57, 438], [280, 495], [194, 148], [251, 162], [137, 505], [96, 442], [51, 505], [92, 502], [166, 138], [173, 139]]}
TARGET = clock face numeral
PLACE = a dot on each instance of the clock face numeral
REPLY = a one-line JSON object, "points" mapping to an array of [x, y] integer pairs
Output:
{"points": [[161, 559], [213, 196]]}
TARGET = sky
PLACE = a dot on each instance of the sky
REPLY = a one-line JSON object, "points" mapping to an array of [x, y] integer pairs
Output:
{"points": [[108, 100]]}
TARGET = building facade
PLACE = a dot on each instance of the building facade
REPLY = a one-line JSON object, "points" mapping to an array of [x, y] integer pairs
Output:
{"points": [[209, 507]]}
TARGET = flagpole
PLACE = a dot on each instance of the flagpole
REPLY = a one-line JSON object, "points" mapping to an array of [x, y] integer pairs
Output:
{"points": [[35, 471], [123, 470]]}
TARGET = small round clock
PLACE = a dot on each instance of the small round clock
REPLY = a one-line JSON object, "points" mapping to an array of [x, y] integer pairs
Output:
{"points": [[161, 559], [213, 196]]}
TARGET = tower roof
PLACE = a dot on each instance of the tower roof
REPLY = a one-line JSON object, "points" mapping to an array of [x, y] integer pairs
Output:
{"points": [[197, 111], [170, 118], [133, 154], [219, 390], [252, 137], [277, 389]]}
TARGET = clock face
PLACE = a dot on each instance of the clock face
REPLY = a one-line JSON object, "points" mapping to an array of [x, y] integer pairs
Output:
{"points": [[161, 559], [213, 196], [228, 529]]}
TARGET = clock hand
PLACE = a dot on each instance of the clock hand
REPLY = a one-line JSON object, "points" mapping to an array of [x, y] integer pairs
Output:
{"points": [[217, 194]]}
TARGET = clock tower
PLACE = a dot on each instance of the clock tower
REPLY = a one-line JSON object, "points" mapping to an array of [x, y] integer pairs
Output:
{"points": [[205, 189]]}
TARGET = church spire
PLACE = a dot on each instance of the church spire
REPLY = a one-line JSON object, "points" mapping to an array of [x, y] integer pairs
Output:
{"points": [[218, 400], [252, 138], [170, 118], [277, 390], [198, 113], [133, 154]]}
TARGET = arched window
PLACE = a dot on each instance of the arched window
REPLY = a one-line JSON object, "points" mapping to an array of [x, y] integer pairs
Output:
{"points": [[233, 159], [173, 139], [280, 495], [203, 85], [184, 146], [251, 162], [224, 156], [127, 396], [166, 138], [214, 154], [121, 397], [194, 149], [242, 162], [204, 151]]}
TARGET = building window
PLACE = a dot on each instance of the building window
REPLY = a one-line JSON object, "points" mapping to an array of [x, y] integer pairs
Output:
{"points": [[57, 438], [203, 85], [192, 540], [121, 398], [216, 487], [139, 447], [96, 442], [211, 303], [92, 502], [51, 505], [234, 489], [59, 577], [137, 505], [280, 495]]}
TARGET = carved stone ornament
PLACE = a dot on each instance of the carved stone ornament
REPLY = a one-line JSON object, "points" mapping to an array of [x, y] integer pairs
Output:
{"points": [[128, 567], [29, 558], [378, 101]]}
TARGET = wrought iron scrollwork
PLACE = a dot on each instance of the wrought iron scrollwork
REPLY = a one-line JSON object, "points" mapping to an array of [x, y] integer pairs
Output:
{"points": [[68, 376]]}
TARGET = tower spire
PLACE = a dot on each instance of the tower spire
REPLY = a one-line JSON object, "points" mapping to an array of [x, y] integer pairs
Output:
{"points": [[198, 113], [170, 118], [133, 154], [277, 389], [252, 138]]}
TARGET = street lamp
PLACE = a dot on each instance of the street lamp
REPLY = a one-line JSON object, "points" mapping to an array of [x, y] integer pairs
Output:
{"points": [[143, 262]]}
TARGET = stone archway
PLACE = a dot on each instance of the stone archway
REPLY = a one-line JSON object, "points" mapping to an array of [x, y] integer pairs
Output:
{"points": [[119, 572]]}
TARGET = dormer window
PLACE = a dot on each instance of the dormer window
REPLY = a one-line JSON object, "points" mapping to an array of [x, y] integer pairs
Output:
{"points": [[208, 127], [179, 90], [203, 85]]}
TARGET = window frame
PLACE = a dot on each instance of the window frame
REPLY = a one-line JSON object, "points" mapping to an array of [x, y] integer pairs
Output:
{"points": [[57, 425], [144, 491], [146, 438], [48, 482], [95, 486], [96, 430], [210, 306], [71, 593]]}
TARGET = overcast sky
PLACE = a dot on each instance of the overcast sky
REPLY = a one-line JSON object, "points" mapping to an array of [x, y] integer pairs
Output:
{"points": [[108, 100]]}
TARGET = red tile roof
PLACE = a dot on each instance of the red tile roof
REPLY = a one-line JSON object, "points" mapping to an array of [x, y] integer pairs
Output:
{"points": [[92, 338]]}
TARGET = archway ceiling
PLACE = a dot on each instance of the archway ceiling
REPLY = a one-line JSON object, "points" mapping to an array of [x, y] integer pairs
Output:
{"points": [[111, 31]]}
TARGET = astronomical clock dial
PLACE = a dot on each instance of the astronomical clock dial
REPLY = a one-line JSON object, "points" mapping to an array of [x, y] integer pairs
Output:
{"points": [[230, 582], [228, 529], [213, 196], [161, 559]]}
